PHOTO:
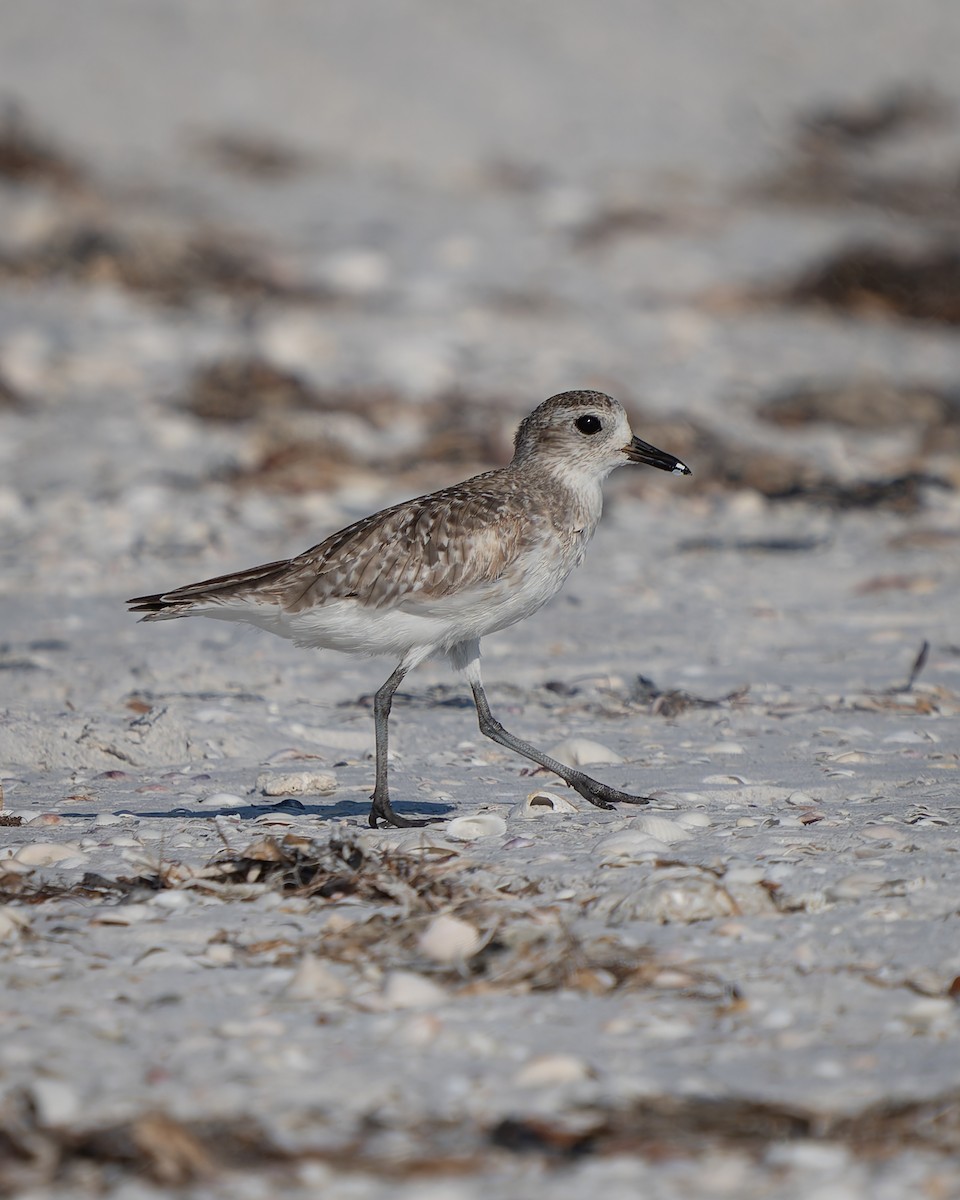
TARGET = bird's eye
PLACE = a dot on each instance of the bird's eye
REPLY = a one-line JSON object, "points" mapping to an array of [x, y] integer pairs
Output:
{"points": [[589, 424]]}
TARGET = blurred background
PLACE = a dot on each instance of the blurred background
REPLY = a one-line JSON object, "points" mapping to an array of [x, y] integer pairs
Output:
{"points": [[265, 266]]}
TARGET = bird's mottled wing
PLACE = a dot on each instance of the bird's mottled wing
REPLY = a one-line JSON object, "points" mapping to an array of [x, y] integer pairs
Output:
{"points": [[424, 548]]}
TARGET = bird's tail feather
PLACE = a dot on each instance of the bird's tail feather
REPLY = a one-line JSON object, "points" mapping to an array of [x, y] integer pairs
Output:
{"points": [[181, 602]]}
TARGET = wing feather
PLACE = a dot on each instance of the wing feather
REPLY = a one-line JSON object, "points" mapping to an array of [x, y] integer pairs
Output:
{"points": [[420, 550], [424, 548]]}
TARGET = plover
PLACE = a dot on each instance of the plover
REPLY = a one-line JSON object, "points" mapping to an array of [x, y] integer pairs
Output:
{"points": [[435, 574]]}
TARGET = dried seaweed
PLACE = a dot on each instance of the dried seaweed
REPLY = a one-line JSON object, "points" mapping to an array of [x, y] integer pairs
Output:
{"points": [[878, 280], [172, 1152], [674, 701], [171, 270], [28, 157]]}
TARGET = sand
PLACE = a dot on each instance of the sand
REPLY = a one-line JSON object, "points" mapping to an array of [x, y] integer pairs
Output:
{"points": [[265, 269]]}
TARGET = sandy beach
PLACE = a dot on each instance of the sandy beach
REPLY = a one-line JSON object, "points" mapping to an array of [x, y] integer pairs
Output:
{"points": [[265, 269]]}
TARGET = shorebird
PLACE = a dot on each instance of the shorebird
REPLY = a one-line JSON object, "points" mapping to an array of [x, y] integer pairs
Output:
{"points": [[435, 574]]}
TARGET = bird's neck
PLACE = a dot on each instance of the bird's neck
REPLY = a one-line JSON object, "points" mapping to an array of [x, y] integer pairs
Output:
{"points": [[575, 497]]}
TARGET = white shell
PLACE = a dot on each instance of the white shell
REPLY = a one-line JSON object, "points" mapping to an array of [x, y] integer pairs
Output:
{"points": [[449, 940], [315, 980], [724, 748], [12, 923], [476, 826], [550, 1070], [45, 854], [55, 1102], [543, 804], [662, 828], [694, 820], [223, 800], [575, 751], [631, 845], [405, 989]]}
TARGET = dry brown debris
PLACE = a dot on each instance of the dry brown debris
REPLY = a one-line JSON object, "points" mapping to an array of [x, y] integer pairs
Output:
{"points": [[170, 269]]}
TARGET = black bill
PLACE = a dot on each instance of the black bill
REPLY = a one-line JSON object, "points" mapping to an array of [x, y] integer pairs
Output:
{"points": [[642, 452]]}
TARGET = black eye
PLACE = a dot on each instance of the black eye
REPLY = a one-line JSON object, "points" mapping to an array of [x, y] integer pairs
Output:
{"points": [[589, 423]]}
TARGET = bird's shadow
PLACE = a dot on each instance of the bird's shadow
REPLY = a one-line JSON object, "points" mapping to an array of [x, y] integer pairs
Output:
{"points": [[342, 810]]}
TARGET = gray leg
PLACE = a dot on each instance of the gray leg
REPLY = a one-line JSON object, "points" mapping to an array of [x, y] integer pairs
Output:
{"points": [[591, 789], [381, 809]]}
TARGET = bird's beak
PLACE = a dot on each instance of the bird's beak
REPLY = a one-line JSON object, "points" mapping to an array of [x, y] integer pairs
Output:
{"points": [[642, 452]]}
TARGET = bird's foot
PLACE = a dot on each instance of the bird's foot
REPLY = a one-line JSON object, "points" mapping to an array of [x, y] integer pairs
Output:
{"points": [[382, 810], [603, 796]]}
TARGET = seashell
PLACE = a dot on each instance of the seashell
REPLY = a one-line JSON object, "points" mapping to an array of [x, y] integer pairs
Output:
{"points": [[255, 1027], [932, 1014], [449, 940], [676, 895], [661, 828], [55, 1103], [108, 818], [543, 804], [724, 748], [158, 958], [314, 979], [744, 875], [12, 923], [405, 989], [801, 800], [576, 751], [479, 825], [223, 800], [631, 845], [551, 1070], [172, 899], [297, 783], [694, 820], [123, 914], [45, 854]]}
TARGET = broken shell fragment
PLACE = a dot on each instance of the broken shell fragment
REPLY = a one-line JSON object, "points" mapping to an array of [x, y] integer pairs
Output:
{"points": [[297, 783], [543, 804]]}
